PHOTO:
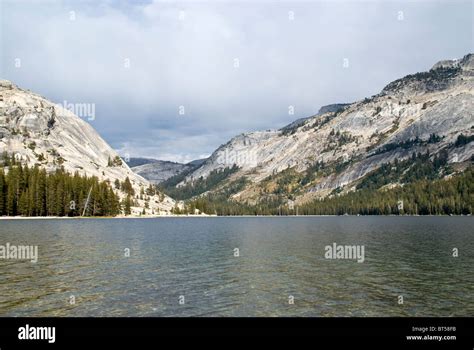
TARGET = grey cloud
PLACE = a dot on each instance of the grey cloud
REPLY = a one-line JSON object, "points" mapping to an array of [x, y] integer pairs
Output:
{"points": [[190, 62]]}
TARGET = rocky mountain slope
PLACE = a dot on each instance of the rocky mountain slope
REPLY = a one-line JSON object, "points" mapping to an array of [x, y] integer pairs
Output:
{"points": [[40, 132], [136, 161], [334, 150], [158, 171]]}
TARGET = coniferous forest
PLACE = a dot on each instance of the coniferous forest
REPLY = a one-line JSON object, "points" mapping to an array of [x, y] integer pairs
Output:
{"points": [[31, 191], [452, 196]]}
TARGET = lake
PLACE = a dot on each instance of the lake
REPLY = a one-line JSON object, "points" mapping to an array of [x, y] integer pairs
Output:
{"points": [[239, 266]]}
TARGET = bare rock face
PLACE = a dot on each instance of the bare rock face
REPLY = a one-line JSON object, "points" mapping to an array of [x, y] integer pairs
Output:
{"points": [[440, 101], [6, 84], [159, 170], [446, 64], [40, 132], [466, 63]]}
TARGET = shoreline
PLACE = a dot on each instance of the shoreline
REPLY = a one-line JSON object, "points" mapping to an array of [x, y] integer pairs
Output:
{"points": [[203, 216]]}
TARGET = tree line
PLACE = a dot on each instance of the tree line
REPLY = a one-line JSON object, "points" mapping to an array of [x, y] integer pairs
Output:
{"points": [[31, 191], [452, 196], [196, 186]]}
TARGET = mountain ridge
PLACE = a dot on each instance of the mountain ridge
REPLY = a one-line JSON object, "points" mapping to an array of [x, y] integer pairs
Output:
{"points": [[352, 140], [156, 171], [40, 132]]}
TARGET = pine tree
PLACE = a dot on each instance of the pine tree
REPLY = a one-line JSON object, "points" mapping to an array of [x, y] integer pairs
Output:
{"points": [[3, 188], [127, 205], [127, 187], [33, 192]]}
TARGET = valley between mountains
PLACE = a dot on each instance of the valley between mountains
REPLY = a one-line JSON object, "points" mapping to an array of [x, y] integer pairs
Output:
{"points": [[406, 150]]}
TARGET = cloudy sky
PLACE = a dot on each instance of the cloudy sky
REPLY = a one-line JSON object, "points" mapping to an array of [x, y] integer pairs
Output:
{"points": [[174, 80]]}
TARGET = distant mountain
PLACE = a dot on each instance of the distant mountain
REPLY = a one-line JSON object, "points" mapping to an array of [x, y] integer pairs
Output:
{"points": [[133, 162], [39, 132], [160, 170], [157, 171], [347, 146], [197, 162]]}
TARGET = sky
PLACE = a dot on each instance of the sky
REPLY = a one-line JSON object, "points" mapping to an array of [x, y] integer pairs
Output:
{"points": [[174, 80]]}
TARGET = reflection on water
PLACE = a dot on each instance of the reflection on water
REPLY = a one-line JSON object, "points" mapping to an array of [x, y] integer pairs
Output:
{"points": [[279, 257]]}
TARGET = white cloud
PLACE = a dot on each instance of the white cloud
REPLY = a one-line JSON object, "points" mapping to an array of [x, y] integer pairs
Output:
{"points": [[190, 62]]}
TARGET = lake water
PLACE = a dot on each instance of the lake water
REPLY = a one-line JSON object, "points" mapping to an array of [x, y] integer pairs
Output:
{"points": [[279, 257]]}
